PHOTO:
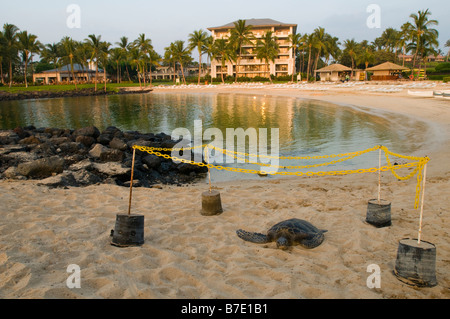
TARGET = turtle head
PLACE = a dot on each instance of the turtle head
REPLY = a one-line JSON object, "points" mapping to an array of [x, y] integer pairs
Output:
{"points": [[282, 243]]}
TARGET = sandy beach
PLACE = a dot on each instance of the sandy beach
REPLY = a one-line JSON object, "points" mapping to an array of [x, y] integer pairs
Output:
{"points": [[187, 255]]}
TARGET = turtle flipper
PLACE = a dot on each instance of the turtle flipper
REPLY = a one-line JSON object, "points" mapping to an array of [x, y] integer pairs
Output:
{"points": [[252, 237], [312, 241]]}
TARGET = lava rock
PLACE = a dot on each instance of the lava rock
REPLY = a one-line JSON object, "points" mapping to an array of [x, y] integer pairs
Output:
{"points": [[152, 161], [118, 144], [87, 131], [85, 140], [41, 168]]}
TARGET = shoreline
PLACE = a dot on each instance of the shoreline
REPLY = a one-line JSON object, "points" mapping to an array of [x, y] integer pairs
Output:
{"points": [[31, 95], [190, 256], [436, 114]]}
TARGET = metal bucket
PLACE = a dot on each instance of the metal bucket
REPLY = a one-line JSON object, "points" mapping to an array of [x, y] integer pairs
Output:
{"points": [[416, 263], [129, 230], [211, 203], [379, 213]]}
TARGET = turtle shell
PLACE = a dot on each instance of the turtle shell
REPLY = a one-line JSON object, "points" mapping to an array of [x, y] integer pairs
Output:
{"points": [[294, 230]]}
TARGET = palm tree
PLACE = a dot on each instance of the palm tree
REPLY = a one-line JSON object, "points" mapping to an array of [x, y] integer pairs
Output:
{"points": [[224, 52], [367, 57], [427, 46], [181, 55], [447, 45], [267, 50], [1, 68], [209, 50], [351, 46], [310, 43], [421, 28], [29, 45], [2, 52], [82, 56], [116, 57], [52, 54], [145, 45], [10, 32], [154, 59], [319, 43], [389, 39], [296, 42], [136, 58], [198, 39], [241, 35], [332, 48], [94, 44], [125, 47], [404, 37], [170, 59], [303, 46], [68, 46], [103, 57]]}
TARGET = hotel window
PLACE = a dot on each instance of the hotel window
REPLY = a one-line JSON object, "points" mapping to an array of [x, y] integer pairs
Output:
{"points": [[281, 67]]}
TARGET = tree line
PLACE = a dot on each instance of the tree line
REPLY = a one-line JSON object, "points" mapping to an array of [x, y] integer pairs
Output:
{"points": [[135, 59]]}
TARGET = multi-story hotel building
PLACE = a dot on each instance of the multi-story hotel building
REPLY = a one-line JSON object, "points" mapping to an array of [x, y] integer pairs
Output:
{"points": [[250, 66]]}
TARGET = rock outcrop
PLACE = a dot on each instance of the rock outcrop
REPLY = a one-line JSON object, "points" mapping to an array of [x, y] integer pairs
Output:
{"points": [[86, 156]]}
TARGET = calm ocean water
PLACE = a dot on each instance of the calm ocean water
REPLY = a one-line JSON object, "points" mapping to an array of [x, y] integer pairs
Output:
{"points": [[305, 127]]}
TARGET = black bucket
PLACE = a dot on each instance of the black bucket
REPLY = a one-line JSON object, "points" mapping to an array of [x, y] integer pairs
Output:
{"points": [[211, 203], [129, 230], [416, 263], [379, 213]]}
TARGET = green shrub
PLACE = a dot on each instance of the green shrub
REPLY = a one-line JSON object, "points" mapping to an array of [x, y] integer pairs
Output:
{"points": [[446, 79], [259, 79], [285, 78], [442, 67], [436, 77]]}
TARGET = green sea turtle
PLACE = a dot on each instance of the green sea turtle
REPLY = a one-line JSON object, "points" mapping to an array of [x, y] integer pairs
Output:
{"points": [[287, 233]]}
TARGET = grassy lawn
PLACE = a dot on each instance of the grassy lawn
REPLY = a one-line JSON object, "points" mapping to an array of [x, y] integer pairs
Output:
{"points": [[65, 87]]}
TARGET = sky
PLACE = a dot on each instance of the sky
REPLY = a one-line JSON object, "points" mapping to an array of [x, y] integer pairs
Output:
{"points": [[165, 21]]}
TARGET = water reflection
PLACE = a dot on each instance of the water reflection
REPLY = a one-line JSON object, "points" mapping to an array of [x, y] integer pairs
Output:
{"points": [[304, 126]]}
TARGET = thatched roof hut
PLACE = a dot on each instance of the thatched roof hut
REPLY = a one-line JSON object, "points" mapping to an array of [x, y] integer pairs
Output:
{"points": [[335, 72], [334, 68], [386, 71], [387, 66]]}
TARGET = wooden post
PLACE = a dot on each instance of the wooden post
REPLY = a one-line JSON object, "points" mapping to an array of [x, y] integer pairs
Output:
{"points": [[209, 171], [421, 205], [131, 182], [379, 179]]}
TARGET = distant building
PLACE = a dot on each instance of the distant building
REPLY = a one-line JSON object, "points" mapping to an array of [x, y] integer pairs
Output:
{"points": [[250, 66], [164, 73], [431, 58], [386, 71], [333, 72], [406, 57], [437, 58], [167, 72], [64, 74], [338, 72]]}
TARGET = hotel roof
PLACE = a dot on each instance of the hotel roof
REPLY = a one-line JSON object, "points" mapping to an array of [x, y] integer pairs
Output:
{"points": [[256, 23], [67, 68]]}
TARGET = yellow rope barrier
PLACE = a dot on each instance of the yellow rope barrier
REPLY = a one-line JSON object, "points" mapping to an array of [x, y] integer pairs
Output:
{"points": [[418, 165]]}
